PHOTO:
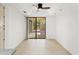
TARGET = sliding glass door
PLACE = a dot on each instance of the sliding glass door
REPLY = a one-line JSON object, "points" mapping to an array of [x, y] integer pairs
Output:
{"points": [[36, 27]]}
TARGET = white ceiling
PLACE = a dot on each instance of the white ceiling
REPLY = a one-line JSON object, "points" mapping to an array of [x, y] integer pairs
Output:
{"points": [[32, 10]]}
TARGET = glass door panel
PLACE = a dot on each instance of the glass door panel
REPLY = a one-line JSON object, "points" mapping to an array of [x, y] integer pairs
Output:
{"points": [[36, 27], [31, 28], [41, 27]]}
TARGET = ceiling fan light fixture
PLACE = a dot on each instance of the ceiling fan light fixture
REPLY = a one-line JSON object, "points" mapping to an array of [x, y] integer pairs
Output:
{"points": [[39, 5]]}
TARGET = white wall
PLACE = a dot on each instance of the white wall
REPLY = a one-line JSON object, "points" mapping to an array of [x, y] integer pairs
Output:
{"points": [[51, 27], [15, 27], [78, 28], [66, 27]]}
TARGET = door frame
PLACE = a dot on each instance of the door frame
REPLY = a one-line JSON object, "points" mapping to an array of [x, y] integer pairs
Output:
{"points": [[3, 28], [36, 31]]}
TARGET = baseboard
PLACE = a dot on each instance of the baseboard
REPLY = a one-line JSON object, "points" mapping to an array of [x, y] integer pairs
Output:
{"points": [[63, 46], [18, 45]]}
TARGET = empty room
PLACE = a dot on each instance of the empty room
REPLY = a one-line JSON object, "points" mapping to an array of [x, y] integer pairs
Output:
{"points": [[39, 28]]}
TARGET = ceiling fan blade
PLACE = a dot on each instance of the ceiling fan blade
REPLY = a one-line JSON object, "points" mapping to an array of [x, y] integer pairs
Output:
{"points": [[45, 8]]}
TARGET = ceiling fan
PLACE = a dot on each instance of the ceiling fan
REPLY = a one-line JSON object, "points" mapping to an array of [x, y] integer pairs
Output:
{"points": [[40, 6]]}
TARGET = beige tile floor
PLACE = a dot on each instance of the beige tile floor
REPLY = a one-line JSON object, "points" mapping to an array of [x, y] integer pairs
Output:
{"points": [[40, 47]]}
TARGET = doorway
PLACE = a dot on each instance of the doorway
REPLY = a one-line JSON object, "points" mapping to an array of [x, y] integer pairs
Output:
{"points": [[36, 27]]}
